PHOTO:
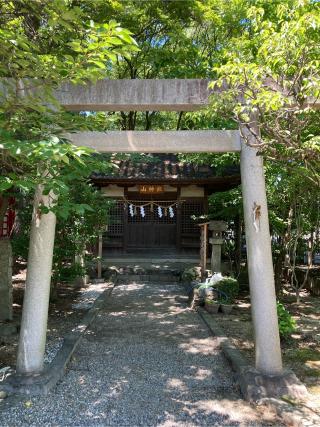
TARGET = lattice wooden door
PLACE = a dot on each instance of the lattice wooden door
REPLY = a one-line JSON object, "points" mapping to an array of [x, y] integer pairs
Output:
{"points": [[151, 230]]}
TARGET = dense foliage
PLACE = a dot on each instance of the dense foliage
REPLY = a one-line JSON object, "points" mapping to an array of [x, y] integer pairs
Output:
{"points": [[50, 42], [77, 231], [287, 324], [272, 71], [43, 44]]}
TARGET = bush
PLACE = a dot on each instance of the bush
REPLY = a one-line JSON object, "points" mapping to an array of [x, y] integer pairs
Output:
{"points": [[210, 301], [287, 324], [191, 274], [230, 287]]}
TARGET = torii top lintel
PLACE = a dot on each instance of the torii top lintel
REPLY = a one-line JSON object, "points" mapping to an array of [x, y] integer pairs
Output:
{"points": [[135, 95]]}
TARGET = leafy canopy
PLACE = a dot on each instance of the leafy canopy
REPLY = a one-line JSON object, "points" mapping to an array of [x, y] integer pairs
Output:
{"points": [[43, 44], [272, 70]]}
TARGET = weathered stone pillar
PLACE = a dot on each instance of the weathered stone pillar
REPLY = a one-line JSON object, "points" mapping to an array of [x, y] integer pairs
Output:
{"points": [[261, 278], [36, 298], [5, 279], [203, 248], [80, 281], [217, 228], [99, 263]]}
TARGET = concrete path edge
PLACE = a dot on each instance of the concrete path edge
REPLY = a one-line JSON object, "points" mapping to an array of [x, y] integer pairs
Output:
{"points": [[42, 384]]}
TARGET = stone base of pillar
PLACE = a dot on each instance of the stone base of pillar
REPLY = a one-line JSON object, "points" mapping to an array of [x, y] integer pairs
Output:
{"points": [[255, 385], [81, 281], [97, 281], [5, 280]]}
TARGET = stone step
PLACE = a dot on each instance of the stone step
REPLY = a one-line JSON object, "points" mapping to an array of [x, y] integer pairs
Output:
{"points": [[149, 278]]}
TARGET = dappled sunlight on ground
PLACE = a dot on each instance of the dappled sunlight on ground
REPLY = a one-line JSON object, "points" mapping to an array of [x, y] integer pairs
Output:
{"points": [[176, 384], [197, 345], [201, 374], [300, 351], [147, 360]]}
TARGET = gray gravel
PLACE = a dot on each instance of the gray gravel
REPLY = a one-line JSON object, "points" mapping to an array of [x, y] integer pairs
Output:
{"points": [[88, 296], [146, 360], [53, 345], [85, 301]]}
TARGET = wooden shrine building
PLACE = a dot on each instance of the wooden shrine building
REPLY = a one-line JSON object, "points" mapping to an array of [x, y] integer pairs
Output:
{"points": [[157, 203]]}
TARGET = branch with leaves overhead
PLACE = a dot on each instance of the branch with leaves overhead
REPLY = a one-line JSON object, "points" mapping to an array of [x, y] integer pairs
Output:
{"points": [[273, 72]]}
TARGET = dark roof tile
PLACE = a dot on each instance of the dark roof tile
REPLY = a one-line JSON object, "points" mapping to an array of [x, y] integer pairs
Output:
{"points": [[162, 166]]}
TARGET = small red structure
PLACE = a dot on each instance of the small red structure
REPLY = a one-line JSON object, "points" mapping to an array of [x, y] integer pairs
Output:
{"points": [[7, 226]]}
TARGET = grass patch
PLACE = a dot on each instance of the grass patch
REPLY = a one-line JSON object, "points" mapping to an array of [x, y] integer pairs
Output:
{"points": [[305, 354]]}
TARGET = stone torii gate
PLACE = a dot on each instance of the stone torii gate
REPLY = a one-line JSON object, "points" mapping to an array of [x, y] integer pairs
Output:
{"points": [[159, 95]]}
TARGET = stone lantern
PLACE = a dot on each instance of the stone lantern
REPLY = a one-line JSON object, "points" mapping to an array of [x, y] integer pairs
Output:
{"points": [[217, 228]]}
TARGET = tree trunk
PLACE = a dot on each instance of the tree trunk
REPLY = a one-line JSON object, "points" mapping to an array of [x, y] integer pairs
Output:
{"points": [[179, 120], [287, 237], [310, 250], [278, 272]]}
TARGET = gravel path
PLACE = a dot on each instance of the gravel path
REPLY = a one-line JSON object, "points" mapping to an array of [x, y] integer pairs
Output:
{"points": [[147, 360]]}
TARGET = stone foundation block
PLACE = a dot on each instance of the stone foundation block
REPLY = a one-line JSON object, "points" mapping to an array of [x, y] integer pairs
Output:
{"points": [[255, 385]]}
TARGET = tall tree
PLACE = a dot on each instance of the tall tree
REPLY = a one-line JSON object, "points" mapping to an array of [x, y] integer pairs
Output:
{"points": [[272, 71], [42, 44]]}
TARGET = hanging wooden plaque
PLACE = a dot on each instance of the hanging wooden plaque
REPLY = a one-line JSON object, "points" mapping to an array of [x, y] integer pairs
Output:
{"points": [[151, 189]]}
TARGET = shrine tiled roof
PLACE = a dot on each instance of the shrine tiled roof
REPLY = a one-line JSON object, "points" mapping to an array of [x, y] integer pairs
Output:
{"points": [[162, 167]]}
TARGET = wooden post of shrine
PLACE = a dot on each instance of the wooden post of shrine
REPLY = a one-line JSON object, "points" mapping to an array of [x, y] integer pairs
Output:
{"points": [[203, 248]]}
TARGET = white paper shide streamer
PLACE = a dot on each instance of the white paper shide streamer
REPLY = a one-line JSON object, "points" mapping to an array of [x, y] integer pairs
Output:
{"points": [[162, 211]]}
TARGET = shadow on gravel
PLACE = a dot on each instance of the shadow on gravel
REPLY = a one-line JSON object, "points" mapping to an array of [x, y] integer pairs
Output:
{"points": [[147, 360]]}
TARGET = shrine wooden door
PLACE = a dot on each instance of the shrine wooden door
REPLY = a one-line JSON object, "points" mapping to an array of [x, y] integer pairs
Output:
{"points": [[152, 231]]}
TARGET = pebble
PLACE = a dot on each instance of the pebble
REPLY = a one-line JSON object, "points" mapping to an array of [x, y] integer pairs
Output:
{"points": [[89, 295], [3, 394], [53, 345]]}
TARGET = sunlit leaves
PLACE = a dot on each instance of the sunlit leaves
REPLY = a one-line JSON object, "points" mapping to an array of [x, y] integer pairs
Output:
{"points": [[272, 70], [43, 44]]}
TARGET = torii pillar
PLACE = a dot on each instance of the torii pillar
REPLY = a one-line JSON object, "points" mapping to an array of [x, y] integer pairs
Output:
{"points": [[260, 265], [30, 358]]}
